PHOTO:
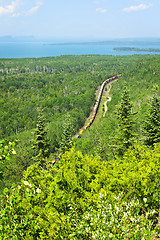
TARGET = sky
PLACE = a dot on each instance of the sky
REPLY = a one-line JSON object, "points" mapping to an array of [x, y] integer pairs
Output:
{"points": [[80, 19]]}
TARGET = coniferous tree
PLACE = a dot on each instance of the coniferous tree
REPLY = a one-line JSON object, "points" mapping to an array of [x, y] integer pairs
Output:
{"points": [[125, 136], [41, 143], [152, 122], [66, 141]]}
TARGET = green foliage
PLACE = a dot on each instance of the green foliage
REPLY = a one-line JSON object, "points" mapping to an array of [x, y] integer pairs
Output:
{"points": [[152, 122], [81, 197], [140, 75], [138, 175], [73, 197], [44, 197], [41, 143], [61, 85], [58, 84], [116, 219], [6, 150], [66, 138], [125, 120]]}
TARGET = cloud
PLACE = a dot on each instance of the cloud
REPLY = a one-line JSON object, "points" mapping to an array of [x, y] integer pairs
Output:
{"points": [[137, 8], [9, 8], [34, 9], [29, 12], [101, 10], [12, 9]]}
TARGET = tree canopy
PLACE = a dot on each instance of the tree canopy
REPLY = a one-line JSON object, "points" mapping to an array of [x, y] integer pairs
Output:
{"points": [[152, 122]]}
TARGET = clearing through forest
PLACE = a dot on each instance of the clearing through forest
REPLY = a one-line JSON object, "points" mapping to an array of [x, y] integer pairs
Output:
{"points": [[109, 98]]}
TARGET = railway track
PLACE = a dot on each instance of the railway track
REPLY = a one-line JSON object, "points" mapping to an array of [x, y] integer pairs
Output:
{"points": [[96, 106]]}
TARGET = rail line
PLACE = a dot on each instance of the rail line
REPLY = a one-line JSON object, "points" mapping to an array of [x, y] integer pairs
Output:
{"points": [[96, 106]]}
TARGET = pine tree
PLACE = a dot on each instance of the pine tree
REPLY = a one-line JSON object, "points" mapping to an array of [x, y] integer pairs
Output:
{"points": [[125, 137], [152, 122], [41, 143], [66, 141]]}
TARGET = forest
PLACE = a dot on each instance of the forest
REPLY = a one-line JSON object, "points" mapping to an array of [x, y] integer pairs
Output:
{"points": [[104, 184], [133, 49]]}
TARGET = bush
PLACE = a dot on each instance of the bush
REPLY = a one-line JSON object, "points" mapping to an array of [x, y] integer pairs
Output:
{"points": [[76, 198], [112, 220]]}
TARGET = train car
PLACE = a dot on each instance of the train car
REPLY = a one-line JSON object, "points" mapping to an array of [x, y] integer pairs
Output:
{"points": [[96, 106], [81, 132], [88, 124]]}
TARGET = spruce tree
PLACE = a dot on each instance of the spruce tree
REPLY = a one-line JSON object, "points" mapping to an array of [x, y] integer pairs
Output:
{"points": [[152, 122], [41, 143], [66, 140], [125, 136]]}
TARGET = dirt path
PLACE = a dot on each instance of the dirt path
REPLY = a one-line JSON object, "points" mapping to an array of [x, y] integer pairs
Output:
{"points": [[108, 100]]}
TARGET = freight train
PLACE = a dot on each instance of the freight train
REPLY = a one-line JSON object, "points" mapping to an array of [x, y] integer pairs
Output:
{"points": [[96, 106]]}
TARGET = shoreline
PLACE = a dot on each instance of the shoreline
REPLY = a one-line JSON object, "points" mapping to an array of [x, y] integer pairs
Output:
{"points": [[133, 49]]}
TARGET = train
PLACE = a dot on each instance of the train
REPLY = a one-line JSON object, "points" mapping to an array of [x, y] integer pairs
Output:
{"points": [[96, 106]]}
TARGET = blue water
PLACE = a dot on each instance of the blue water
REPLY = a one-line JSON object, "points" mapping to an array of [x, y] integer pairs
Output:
{"points": [[45, 49]]}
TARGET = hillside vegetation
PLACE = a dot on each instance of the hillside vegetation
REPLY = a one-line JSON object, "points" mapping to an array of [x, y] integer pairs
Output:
{"points": [[58, 85], [104, 184], [140, 78]]}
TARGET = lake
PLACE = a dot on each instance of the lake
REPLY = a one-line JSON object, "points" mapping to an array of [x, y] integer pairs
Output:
{"points": [[19, 49]]}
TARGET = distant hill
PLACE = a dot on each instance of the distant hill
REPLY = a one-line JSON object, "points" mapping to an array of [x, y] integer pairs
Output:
{"points": [[133, 49], [9, 38]]}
